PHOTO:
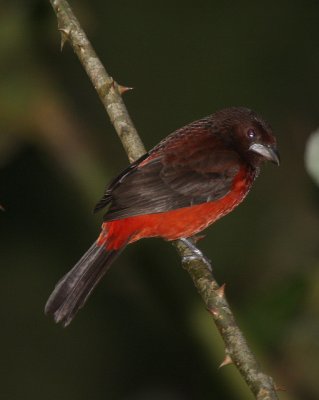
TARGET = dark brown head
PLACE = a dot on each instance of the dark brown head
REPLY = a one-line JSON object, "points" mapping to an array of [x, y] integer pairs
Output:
{"points": [[251, 135]]}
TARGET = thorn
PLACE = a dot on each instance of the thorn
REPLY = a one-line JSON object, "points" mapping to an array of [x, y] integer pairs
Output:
{"points": [[197, 238], [280, 388], [65, 33], [123, 89], [227, 361], [221, 290], [214, 312]]}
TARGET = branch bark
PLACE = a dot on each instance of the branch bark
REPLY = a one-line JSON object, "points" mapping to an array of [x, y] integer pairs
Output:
{"points": [[236, 348], [108, 90]]}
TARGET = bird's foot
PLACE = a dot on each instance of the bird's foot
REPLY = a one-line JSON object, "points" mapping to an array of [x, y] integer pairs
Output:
{"points": [[196, 254]]}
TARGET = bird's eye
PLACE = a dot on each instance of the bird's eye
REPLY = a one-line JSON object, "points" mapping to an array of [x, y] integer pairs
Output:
{"points": [[251, 134]]}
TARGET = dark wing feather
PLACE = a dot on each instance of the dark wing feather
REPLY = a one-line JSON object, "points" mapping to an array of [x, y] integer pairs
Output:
{"points": [[172, 181], [107, 197]]}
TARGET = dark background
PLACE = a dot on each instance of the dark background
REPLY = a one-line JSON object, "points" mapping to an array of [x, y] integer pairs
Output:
{"points": [[145, 333]]}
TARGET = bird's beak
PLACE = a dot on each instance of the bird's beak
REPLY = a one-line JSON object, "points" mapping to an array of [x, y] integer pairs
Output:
{"points": [[269, 152]]}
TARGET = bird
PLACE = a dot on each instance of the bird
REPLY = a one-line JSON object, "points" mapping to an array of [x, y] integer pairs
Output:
{"points": [[193, 177]]}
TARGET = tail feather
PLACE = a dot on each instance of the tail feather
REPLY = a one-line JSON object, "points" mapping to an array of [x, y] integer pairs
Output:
{"points": [[73, 290]]}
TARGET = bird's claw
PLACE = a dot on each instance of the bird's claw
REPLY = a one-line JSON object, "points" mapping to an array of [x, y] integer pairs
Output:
{"points": [[195, 257], [196, 254]]}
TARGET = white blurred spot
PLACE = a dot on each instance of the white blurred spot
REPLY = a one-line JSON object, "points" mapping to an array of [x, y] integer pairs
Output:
{"points": [[312, 156]]}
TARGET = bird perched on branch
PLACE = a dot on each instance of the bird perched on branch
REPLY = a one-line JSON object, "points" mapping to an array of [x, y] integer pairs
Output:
{"points": [[195, 176]]}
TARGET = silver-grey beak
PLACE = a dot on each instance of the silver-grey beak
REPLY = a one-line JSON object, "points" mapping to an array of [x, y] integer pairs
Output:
{"points": [[270, 153]]}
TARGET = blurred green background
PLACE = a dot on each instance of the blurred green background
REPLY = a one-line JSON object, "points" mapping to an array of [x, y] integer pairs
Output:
{"points": [[145, 334]]}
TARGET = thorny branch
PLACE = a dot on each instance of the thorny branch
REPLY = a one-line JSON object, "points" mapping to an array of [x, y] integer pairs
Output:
{"points": [[236, 348]]}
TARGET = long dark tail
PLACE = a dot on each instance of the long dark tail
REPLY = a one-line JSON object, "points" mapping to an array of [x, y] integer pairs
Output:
{"points": [[72, 291]]}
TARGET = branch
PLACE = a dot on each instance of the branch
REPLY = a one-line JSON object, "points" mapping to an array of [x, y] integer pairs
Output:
{"points": [[237, 350], [108, 90]]}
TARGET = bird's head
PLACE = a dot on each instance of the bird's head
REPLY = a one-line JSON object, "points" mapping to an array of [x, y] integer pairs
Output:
{"points": [[252, 136]]}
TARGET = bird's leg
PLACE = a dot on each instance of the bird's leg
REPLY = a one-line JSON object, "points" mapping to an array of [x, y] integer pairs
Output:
{"points": [[196, 254]]}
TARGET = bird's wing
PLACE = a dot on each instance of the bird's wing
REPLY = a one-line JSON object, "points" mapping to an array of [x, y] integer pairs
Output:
{"points": [[170, 180], [107, 196]]}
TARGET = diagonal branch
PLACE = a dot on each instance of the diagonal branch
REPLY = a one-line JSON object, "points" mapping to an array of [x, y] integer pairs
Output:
{"points": [[237, 350], [108, 90]]}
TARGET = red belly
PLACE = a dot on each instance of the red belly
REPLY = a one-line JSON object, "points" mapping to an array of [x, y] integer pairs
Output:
{"points": [[171, 225]]}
